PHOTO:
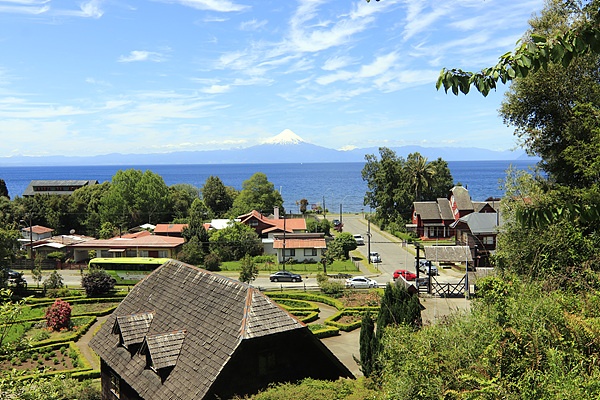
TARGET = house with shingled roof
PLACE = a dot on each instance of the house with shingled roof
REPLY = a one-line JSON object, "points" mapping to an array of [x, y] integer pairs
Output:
{"points": [[266, 227], [56, 187], [186, 333], [435, 219]]}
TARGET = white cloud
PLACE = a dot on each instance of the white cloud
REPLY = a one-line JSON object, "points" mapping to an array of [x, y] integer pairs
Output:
{"points": [[253, 25], [336, 62], [33, 7], [210, 5], [142, 55], [217, 89]]}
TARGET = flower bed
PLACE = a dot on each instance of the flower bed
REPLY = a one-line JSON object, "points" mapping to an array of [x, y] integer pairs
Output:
{"points": [[50, 359]]}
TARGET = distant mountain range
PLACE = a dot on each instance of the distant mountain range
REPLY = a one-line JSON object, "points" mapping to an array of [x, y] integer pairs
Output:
{"points": [[287, 147]]}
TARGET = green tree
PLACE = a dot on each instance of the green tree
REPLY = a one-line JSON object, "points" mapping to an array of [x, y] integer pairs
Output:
{"points": [[578, 37], [181, 197], [420, 174], [318, 225], [345, 242], [3, 189], [235, 241], [8, 246], [388, 192], [135, 197], [368, 345], [196, 236], [440, 182], [217, 197], [249, 270], [54, 281], [257, 194], [97, 282], [303, 203], [84, 205], [398, 307]]}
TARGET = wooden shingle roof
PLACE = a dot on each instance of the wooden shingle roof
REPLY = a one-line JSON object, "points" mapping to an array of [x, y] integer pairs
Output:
{"points": [[133, 328], [164, 348], [217, 313]]}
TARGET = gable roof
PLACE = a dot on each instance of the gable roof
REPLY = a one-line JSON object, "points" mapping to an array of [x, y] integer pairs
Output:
{"points": [[37, 229], [219, 314], [462, 198], [169, 228], [64, 186], [479, 223], [133, 328], [163, 349], [276, 224]]}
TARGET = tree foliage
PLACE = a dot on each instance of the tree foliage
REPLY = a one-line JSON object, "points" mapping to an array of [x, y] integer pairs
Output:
{"points": [[341, 246], [257, 194], [3, 189], [217, 197], [235, 241], [97, 282], [135, 197], [393, 184], [249, 270], [537, 51]]}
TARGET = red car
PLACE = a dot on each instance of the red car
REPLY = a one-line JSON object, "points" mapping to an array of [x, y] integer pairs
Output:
{"points": [[407, 275]]}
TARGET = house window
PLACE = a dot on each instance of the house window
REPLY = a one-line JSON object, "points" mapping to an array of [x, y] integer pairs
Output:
{"points": [[253, 223], [310, 252], [144, 253], [290, 253], [163, 254], [488, 240], [130, 253], [114, 385], [267, 363]]}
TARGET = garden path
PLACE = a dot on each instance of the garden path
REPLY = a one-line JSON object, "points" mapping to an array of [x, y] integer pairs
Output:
{"points": [[84, 341]]}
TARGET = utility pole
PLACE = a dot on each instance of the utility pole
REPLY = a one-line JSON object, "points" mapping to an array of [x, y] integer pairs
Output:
{"points": [[369, 237]]}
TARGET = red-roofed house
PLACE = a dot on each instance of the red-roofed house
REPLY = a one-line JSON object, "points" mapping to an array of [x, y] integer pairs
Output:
{"points": [[140, 244], [267, 227], [37, 232], [299, 247], [169, 229]]}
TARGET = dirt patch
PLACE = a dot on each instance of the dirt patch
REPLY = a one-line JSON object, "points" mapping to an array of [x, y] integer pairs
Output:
{"points": [[349, 319], [371, 298], [43, 359]]}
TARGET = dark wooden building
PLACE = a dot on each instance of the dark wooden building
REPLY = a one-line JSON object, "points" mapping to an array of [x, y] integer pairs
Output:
{"points": [[184, 333]]}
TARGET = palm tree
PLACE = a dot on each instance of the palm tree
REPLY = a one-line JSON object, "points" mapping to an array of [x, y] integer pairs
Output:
{"points": [[420, 172]]}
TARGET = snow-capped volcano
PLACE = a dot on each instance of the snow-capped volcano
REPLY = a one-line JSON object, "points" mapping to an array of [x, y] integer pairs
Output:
{"points": [[285, 137]]}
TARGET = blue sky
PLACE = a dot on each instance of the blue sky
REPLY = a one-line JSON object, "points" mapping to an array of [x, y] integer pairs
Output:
{"points": [[135, 76]]}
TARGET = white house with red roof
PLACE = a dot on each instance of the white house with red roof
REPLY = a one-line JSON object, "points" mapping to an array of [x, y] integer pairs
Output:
{"points": [[266, 227]]}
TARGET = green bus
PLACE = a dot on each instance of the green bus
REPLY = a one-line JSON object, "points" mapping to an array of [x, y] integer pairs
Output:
{"points": [[127, 263]]}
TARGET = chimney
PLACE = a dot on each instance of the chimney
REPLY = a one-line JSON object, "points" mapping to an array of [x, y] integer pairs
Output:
{"points": [[276, 212]]}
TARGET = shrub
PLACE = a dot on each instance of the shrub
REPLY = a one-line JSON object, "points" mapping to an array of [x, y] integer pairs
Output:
{"points": [[54, 281], [333, 288], [212, 262], [97, 282], [58, 315]]}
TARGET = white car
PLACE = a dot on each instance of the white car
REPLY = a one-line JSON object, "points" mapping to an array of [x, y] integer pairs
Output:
{"points": [[361, 282], [425, 266], [359, 239], [374, 257]]}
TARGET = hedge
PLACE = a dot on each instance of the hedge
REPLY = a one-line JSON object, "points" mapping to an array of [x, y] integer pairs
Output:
{"points": [[306, 316], [306, 296], [299, 305], [332, 321], [326, 332]]}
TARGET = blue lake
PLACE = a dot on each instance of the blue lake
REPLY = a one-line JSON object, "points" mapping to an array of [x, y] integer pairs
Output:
{"points": [[334, 183]]}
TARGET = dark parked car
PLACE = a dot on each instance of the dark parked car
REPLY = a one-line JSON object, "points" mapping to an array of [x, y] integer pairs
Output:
{"points": [[285, 276], [16, 278]]}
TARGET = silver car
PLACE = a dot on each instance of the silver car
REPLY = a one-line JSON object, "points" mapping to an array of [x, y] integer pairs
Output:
{"points": [[361, 282]]}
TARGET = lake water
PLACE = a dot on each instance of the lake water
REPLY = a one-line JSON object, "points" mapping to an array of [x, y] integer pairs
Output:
{"points": [[334, 183]]}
